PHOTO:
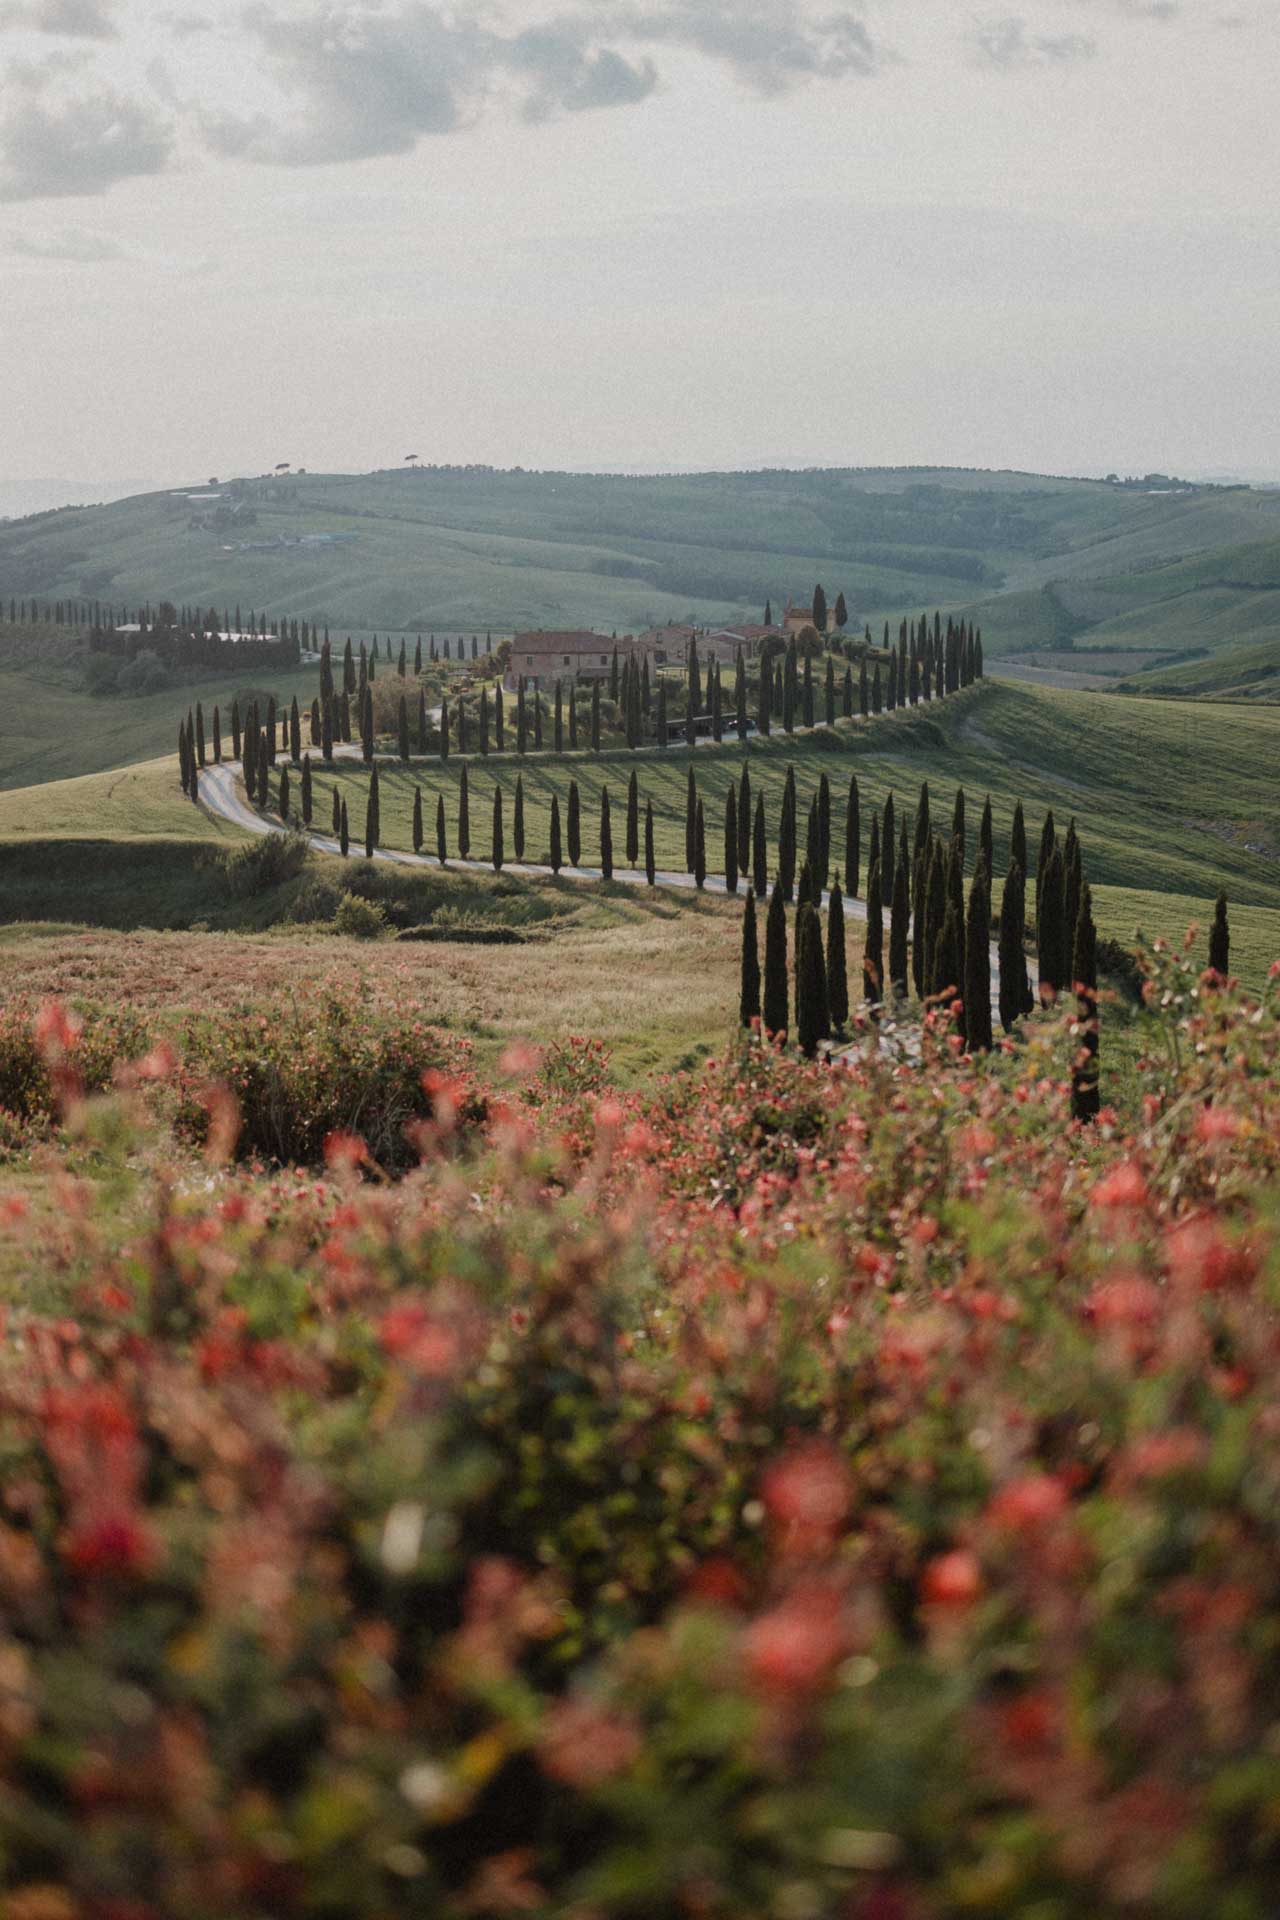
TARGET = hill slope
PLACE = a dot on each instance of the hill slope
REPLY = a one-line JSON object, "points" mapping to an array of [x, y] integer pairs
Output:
{"points": [[444, 549]]}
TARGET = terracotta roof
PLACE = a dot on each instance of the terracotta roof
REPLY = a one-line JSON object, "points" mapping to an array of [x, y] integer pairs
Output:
{"points": [[567, 642]]}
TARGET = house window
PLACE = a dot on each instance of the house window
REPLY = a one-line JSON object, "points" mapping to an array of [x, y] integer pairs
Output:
{"points": [[566, 659], [604, 659], [529, 659]]}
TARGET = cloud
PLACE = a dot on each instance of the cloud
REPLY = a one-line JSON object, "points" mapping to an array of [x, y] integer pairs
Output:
{"points": [[1008, 44], [78, 19], [359, 82], [79, 145], [70, 244]]}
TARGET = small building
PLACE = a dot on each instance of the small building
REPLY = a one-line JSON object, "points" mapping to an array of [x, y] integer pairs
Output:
{"points": [[796, 619], [542, 658], [750, 637]]}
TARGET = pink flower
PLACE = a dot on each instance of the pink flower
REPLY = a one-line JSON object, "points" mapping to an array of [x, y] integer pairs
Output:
{"points": [[952, 1580], [1025, 1505], [581, 1744], [1123, 1187], [793, 1648]]}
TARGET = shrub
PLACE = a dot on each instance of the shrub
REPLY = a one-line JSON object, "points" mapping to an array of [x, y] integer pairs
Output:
{"points": [[264, 864], [360, 919]]}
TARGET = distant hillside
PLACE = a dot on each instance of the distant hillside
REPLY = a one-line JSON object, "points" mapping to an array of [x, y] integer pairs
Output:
{"points": [[442, 549]]}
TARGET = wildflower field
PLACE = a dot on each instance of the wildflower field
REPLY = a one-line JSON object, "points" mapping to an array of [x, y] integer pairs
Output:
{"points": [[787, 1492]]}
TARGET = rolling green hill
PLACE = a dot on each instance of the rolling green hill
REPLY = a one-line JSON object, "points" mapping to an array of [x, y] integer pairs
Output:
{"points": [[1172, 800], [456, 548]]}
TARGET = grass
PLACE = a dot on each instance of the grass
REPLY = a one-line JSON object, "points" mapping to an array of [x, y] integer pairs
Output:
{"points": [[1249, 672], [653, 977]]}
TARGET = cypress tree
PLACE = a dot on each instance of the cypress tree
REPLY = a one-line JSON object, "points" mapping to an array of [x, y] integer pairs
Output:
{"points": [[517, 822], [813, 846], [484, 720], [777, 1000], [199, 735], [498, 849], [958, 834], [606, 835], [284, 794], [344, 832], [731, 839], [574, 824], [1013, 964], [306, 790], [573, 716], [740, 698], [830, 712], [787, 837], [846, 703], [804, 885], [1051, 930], [899, 931], [888, 853], [764, 698], [808, 706], [417, 820], [864, 697], [499, 719], [335, 816], [235, 729], [522, 718], [537, 718], [717, 705], [977, 967], [873, 953], [442, 844], [749, 991], [633, 821], [853, 840], [664, 731], [934, 913], [557, 732], [326, 731], [403, 730], [264, 772], [759, 851], [366, 728], [877, 699], [700, 848], [462, 725], [986, 843], [370, 826], [1048, 841], [743, 814], [690, 818], [873, 851], [1220, 940], [837, 961], [1086, 1096], [948, 966], [217, 738], [464, 818], [595, 716], [813, 1019], [650, 865], [557, 855]]}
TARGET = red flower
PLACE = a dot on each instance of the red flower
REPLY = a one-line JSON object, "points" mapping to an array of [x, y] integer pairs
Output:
{"points": [[807, 1496], [582, 1744], [1123, 1187], [1027, 1504], [952, 1580], [113, 1543], [794, 1648]]}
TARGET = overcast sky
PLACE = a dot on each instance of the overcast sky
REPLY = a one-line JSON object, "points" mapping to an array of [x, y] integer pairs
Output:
{"points": [[638, 233]]}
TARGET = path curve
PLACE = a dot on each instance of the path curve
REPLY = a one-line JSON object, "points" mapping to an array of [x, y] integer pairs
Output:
{"points": [[220, 793]]}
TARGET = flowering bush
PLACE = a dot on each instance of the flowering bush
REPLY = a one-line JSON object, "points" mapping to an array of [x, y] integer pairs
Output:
{"points": [[845, 1494]]}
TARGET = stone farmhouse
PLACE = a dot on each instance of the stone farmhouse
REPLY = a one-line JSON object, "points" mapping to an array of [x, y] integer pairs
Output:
{"points": [[541, 658]]}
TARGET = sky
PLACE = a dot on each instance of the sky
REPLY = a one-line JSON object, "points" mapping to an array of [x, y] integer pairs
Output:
{"points": [[636, 234]]}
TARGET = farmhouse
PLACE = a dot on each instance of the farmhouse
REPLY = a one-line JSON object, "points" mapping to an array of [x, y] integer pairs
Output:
{"points": [[542, 658], [725, 641], [796, 619]]}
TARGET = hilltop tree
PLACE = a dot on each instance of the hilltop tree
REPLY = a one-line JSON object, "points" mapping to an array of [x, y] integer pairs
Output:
{"points": [[846, 697], [759, 851], [417, 820], [958, 833], [690, 818], [199, 735], [837, 961], [464, 818], [986, 843], [217, 738], [819, 609], [575, 825], [740, 698], [807, 706], [499, 719], [442, 843], [864, 691], [830, 694], [842, 612], [606, 835], [335, 816], [1086, 1099], [731, 839], [370, 825], [484, 720], [498, 847], [1220, 940], [888, 853], [557, 854], [977, 968], [873, 953], [650, 864], [777, 1000], [235, 729], [749, 992]]}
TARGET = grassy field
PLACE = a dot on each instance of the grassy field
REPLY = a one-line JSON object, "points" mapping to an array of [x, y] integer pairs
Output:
{"points": [[1250, 672], [492, 550], [52, 727]]}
